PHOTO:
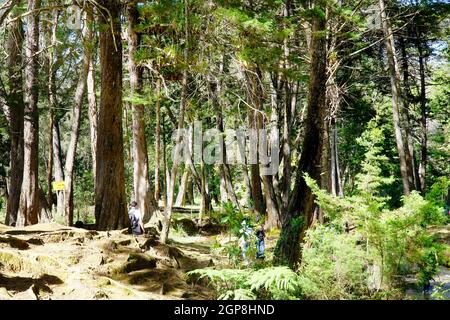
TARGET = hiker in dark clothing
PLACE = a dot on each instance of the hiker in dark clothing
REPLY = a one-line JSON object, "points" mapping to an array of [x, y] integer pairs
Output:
{"points": [[135, 216], [260, 245]]}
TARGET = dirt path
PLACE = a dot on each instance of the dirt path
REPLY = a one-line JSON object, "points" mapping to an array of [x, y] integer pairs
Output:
{"points": [[55, 262]]}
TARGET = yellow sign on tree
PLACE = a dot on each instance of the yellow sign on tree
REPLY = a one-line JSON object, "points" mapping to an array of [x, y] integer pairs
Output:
{"points": [[58, 185]]}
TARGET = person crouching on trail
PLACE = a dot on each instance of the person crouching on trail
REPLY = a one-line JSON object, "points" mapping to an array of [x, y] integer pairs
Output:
{"points": [[135, 216]]}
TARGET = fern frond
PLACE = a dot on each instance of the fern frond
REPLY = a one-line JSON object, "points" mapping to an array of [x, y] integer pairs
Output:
{"points": [[238, 294], [273, 279]]}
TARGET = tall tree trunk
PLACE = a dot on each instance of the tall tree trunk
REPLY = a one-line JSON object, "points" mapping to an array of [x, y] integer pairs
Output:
{"points": [[335, 150], [51, 87], [190, 192], [254, 92], [215, 91], [273, 216], [290, 93], [74, 132], [277, 184], [164, 168], [204, 203], [16, 115], [257, 195], [58, 165], [333, 167], [223, 189], [91, 93], [410, 154], [325, 177], [396, 98], [110, 201], [29, 196], [128, 138], [333, 103], [50, 161], [158, 141], [143, 192], [181, 197], [270, 205], [270, 181], [173, 175], [301, 206], [423, 113], [45, 211], [286, 150], [248, 185], [199, 178]]}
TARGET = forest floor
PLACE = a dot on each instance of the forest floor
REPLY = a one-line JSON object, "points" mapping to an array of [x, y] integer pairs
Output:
{"points": [[51, 261]]}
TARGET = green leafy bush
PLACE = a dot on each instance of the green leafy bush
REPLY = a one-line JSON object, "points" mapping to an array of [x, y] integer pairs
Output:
{"points": [[397, 241], [231, 217], [333, 265]]}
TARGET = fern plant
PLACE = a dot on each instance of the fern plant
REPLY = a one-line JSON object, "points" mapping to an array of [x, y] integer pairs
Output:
{"points": [[250, 284]]}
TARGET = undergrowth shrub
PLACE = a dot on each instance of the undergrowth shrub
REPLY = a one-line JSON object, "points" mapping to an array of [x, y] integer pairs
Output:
{"points": [[333, 265], [244, 284]]}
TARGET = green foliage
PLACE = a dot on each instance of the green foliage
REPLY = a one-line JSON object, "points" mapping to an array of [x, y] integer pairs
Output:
{"points": [[224, 281], [266, 283], [396, 240], [232, 217], [429, 266], [333, 265], [315, 12], [438, 191], [278, 282], [370, 180]]}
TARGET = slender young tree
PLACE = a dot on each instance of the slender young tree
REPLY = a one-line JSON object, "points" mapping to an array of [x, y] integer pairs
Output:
{"points": [[51, 90], [91, 88], [396, 99], [254, 93], [173, 174], [74, 132], [215, 92], [181, 197], [58, 166], [423, 110], [143, 192], [158, 141]]}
